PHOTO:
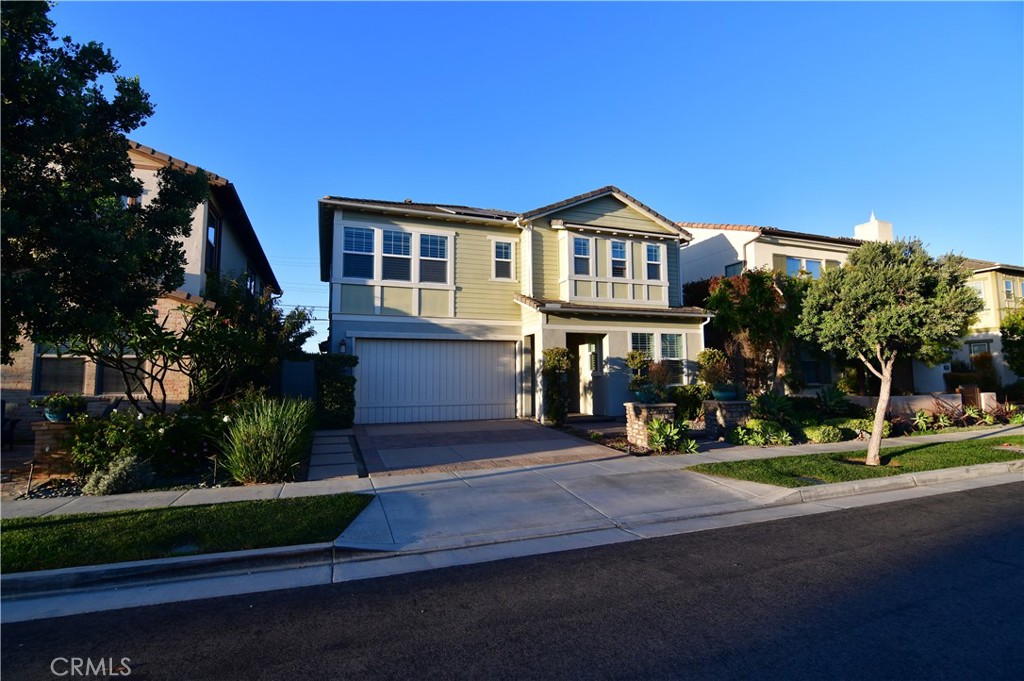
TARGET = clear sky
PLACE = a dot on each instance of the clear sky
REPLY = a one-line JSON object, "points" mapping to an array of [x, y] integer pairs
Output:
{"points": [[798, 116]]}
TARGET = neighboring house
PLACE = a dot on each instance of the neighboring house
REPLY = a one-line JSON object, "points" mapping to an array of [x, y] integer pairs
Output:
{"points": [[450, 308], [222, 242], [1002, 288], [727, 250]]}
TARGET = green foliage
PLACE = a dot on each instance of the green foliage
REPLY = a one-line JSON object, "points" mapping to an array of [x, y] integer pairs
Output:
{"points": [[766, 306], [922, 420], [61, 403], [557, 364], [687, 446], [266, 440], [689, 400], [823, 434], [853, 427], [1011, 332], [335, 390], [123, 475], [95, 443], [988, 376], [943, 421], [713, 367], [760, 433], [832, 402], [772, 407], [663, 434], [66, 233]]}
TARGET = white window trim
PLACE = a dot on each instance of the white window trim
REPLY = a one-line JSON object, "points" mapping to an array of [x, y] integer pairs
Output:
{"points": [[662, 262], [629, 265], [591, 259], [656, 354], [378, 255], [803, 265], [1008, 294], [494, 258], [392, 255]]}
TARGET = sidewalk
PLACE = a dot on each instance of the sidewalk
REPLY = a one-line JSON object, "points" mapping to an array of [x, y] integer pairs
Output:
{"points": [[424, 521]]}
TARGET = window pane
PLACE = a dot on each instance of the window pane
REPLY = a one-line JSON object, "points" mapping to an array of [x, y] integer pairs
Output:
{"points": [[653, 254], [1008, 287], [671, 346], [433, 246], [581, 246], [358, 240], [734, 269], [502, 269], [644, 342], [793, 266], [653, 271], [502, 250], [359, 266], [112, 381], [60, 375], [395, 269], [619, 250], [581, 266], [814, 267], [397, 243], [434, 271], [618, 268]]}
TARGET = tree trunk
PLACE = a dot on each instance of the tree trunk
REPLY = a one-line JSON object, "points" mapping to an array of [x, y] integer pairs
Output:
{"points": [[782, 353], [875, 443]]}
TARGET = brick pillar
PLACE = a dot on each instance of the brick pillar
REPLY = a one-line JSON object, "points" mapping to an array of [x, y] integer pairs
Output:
{"points": [[49, 450], [721, 416], [638, 415]]}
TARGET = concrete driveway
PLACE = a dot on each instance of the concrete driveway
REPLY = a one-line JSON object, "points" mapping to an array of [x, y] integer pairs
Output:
{"points": [[470, 445]]}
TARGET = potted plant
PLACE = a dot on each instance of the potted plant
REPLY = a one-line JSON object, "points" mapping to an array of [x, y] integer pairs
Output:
{"points": [[713, 370], [60, 407], [640, 383]]}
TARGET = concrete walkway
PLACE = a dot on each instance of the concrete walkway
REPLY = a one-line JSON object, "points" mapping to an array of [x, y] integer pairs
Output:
{"points": [[429, 520]]}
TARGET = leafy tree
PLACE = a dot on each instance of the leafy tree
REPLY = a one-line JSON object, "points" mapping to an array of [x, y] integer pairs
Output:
{"points": [[79, 250], [890, 300], [1012, 333], [228, 342], [765, 306]]}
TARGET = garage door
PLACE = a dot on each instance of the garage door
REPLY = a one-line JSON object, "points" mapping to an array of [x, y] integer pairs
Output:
{"points": [[434, 380]]}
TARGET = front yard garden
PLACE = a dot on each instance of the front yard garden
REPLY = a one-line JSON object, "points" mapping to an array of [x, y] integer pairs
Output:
{"points": [[61, 541]]}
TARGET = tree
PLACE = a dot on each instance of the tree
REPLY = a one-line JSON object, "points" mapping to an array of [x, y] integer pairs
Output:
{"points": [[890, 300], [765, 306], [1012, 333], [227, 342], [79, 249]]}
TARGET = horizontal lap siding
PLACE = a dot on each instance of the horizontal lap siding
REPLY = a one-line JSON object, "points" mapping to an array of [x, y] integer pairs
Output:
{"points": [[425, 380], [608, 212], [476, 296]]}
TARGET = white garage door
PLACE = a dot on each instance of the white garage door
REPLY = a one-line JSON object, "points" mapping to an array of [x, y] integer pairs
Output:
{"points": [[434, 380]]}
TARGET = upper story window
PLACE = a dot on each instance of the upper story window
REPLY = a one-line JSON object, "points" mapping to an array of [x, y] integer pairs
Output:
{"points": [[396, 263], [979, 288], [1008, 289], [503, 267], [357, 253], [653, 262], [213, 238], [619, 265], [734, 269], [797, 266], [581, 256], [433, 259]]}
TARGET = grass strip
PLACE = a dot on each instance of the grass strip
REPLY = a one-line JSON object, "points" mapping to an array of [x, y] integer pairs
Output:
{"points": [[816, 469], [61, 541]]}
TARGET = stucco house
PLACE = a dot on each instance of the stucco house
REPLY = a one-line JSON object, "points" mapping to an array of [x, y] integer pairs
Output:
{"points": [[222, 242], [450, 308], [1001, 286]]}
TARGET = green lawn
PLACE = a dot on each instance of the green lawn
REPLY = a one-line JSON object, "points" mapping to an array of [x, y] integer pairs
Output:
{"points": [[59, 541], [813, 469]]}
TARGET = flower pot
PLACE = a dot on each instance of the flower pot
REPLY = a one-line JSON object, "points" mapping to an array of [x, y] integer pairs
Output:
{"points": [[724, 392], [57, 415]]}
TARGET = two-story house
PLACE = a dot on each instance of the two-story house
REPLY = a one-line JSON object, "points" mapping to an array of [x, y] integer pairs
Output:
{"points": [[222, 243], [1002, 288], [450, 308]]}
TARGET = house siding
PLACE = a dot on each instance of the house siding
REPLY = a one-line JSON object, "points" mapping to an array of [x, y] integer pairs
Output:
{"points": [[608, 211]]}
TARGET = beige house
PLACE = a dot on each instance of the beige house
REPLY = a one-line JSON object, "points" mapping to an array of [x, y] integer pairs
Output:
{"points": [[450, 308], [222, 242], [1002, 288]]}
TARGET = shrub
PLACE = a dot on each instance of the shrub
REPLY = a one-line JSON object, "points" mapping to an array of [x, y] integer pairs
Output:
{"points": [[772, 407], [832, 401], [823, 434], [713, 367], [663, 434], [267, 439], [335, 390], [687, 446], [760, 433], [96, 443], [126, 474], [689, 400], [639, 364], [555, 370], [852, 428]]}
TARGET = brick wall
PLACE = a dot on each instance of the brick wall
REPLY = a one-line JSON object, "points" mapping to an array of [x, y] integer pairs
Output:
{"points": [[721, 416], [638, 415]]}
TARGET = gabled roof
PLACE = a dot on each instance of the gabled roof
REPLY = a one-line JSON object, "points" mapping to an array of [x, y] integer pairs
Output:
{"points": [[230, 204], [978, 266], [772, 231], [440, 209], [609, 190], [560, 307]]}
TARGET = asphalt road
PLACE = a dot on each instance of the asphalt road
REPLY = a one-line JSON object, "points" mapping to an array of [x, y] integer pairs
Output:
{"points": [[925, 589]]}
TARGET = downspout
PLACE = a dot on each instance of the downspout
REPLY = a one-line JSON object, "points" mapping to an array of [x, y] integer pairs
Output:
{"points": [[745, 259]]}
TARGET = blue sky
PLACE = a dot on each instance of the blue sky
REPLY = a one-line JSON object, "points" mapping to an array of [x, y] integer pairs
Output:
{"points": [[802, 116]]}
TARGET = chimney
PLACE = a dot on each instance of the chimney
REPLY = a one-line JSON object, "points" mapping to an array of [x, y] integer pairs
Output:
{"points": [[874, 230]]}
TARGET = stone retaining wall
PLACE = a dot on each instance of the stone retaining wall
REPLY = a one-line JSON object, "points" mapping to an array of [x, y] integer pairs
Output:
{"points": [[721, 416], [638, 415]]}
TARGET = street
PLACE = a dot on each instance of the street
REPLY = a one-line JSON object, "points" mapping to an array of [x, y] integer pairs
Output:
{"points": [[921, 589]]}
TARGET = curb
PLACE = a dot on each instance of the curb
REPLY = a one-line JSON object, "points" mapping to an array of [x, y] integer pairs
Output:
{"points": [[66, 581]]}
